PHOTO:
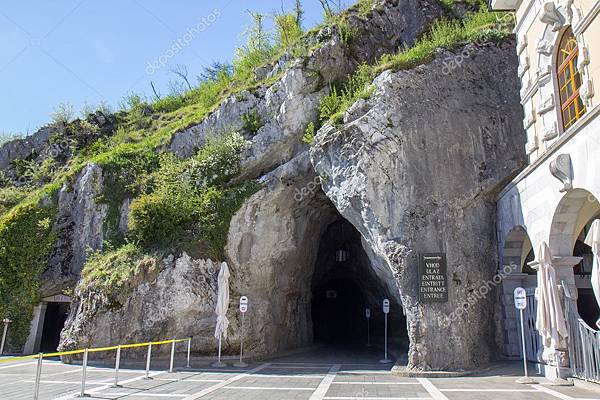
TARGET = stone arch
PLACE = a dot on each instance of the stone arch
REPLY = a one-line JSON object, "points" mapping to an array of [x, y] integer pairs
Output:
{"points": [[569, 219], [517, 248]]}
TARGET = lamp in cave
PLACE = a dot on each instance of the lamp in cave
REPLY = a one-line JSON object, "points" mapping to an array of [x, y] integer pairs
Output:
{"points": [[341, 254]]}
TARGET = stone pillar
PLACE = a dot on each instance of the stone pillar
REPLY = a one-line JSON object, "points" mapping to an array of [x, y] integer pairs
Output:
{"points": [[32, 345], [512, 343]]}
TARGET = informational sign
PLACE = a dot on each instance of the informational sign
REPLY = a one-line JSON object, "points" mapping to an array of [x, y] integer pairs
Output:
{"points": [[520, 298], [243, 304], [386, 306], [433, 282], [368, 313], [331, 294]]}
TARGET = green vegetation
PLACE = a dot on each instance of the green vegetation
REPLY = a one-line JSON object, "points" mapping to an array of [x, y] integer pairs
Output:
{"points": [[26, 239], [252, 122], [444, 34], [309, 133]]}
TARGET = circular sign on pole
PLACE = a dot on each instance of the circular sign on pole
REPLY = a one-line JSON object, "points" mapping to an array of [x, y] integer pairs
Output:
{"points": [[520, 298], [386, 306], [368, 313], [243, 304]]}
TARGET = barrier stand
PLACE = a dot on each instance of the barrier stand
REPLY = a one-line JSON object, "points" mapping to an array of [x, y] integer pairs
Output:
{"points": [[38, 376], [84, 375], [189, 352], [117, 364], [172, 356], [148, 361]]}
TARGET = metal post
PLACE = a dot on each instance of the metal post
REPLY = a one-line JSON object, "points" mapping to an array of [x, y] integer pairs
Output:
{"points": [[172, 356], [189, 352], [117, 364], [148, 361], [84, 374], [38, 376], [242, 364], [525, 379], [368, 332], [6, 321], [385, 340]]}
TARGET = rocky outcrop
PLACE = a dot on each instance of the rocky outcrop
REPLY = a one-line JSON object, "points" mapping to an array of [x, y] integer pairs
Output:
{"points": [[286, 107], [79, 225], [179, 299], [415, 170]]}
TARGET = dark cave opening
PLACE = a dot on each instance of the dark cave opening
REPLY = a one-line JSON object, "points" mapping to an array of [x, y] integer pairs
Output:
{"points": [[54, 322], [344, 285]]}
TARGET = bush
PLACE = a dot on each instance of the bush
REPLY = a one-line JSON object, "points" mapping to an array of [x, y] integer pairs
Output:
{"points": [[252, 122], [63, 114], [26, 239], [309, 134]]}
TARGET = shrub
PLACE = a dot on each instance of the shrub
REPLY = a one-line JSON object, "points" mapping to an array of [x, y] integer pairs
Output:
{"points": [[26, 239], [309, 134], [63, 114], [252, 122]]}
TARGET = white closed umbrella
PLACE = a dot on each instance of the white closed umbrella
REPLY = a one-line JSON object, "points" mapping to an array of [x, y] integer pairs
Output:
{"points": [[222, 307], [593, 240], [550, 321]]}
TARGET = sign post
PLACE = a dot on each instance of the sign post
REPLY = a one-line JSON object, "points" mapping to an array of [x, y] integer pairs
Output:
{"points": [[386, 311], [521, 303], [6, 322], [368, 316], [243, 309]]}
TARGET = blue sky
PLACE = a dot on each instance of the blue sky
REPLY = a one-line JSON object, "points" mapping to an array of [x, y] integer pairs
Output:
{"points": [[88, 51]]}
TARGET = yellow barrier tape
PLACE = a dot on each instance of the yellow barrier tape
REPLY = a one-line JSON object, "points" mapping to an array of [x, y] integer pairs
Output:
{"points": [[94, 350]]}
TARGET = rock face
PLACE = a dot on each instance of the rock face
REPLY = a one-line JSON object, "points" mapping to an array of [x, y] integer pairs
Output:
{"points": [[151, 309], [415, 170], [79, 225], [286, 107]]}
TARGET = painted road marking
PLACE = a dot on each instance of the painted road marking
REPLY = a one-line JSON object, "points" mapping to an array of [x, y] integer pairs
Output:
{"points": [[323, 388], [101, 388], [377, 398], [373, 383], [431, 389], [218, 386], [552, 392], [266, 388]]}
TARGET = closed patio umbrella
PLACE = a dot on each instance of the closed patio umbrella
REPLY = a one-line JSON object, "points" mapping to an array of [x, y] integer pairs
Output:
{"points": [[550, 321], [222, 307], [593, 240]]}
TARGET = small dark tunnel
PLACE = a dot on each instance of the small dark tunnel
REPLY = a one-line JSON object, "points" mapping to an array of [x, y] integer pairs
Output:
{"points": [[54, 322], [344, 285]]}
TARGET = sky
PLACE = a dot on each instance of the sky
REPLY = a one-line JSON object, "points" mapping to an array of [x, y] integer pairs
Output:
{"points": [[91, 51]]}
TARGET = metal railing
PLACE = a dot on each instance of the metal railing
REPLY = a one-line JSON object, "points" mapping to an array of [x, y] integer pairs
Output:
{"points": [[584, 344], [40, 359], [533, 340]]}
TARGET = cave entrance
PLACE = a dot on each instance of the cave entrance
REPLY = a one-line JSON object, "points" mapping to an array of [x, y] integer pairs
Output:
{"points": [[344, 285], [54, 322]]}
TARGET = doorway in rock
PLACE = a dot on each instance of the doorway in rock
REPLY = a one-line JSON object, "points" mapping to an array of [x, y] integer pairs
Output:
{"points": [[344, 285], [54, 322]]}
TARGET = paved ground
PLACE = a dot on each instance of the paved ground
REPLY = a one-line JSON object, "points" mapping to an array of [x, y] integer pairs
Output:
{"points": [[332, 375]]}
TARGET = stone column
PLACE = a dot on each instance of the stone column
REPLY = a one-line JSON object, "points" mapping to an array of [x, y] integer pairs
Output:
{"points": [[512, 344], [32, 345]]}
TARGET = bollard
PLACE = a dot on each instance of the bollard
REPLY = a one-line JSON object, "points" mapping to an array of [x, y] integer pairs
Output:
{"points": [[38, 376], [5, 321], [148, 361], [172, 356], [84, 375], [189, 351], [117, 364]]}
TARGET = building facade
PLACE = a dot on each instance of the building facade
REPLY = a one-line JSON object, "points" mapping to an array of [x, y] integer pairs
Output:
{"points": [[555, 198]]}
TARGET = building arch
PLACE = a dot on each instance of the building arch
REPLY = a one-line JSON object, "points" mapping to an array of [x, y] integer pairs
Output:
{"points": [[573, 212], [518, 250]]}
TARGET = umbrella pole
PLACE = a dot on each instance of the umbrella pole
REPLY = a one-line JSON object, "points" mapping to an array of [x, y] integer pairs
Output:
{"points": [[219, 364]]}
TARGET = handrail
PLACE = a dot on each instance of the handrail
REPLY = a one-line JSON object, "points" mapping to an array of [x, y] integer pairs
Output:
{"points": [[40, 357]]}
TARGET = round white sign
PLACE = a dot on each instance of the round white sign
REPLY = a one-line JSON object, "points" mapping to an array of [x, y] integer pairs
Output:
{"points": [[368, 313], [243, 304], [520, 298], [386, 306]]}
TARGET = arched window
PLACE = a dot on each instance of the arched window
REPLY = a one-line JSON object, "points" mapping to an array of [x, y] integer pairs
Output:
{"points": [[569, 81]]}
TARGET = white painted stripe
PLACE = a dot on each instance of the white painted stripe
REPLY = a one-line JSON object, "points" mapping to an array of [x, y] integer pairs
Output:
{"points": [[142, 394], [219, 385], [365, 372], [431, 389], [377, 398], [488, 390], [552, 392], [294, 376], [18, 365], [190, 380], [373, 383], [70, 382], [101, 388], [323, 387], [266, 388]]}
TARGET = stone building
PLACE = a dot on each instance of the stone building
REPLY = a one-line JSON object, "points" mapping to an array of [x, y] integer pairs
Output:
{"points": [[555, 198]]}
